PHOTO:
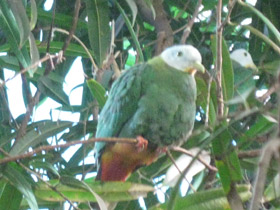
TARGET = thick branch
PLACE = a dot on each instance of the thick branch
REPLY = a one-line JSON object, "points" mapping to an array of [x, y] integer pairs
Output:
{"points": [[160, 22]]}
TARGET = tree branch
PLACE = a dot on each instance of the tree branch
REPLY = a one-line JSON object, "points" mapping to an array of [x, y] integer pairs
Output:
{"points": [[74, 25], [186, 152], [160, 22], [189, 26], [51, 147]]}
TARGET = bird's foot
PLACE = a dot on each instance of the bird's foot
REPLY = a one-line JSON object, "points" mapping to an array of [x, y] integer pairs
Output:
{"points": [[142, 143], [161, 150]]}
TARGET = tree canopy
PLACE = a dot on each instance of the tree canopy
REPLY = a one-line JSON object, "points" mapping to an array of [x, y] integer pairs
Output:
{"points": [[237, 120]]}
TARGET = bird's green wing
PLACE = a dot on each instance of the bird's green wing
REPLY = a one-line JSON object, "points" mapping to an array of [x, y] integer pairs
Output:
{"points": [[121, 105]]}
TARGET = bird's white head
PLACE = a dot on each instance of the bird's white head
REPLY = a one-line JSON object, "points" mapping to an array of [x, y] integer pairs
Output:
{"points": [[184, 58], [244, 58]]}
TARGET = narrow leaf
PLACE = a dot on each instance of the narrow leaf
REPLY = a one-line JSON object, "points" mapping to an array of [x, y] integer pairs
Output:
{"points": [[44, 165], [208, 199], [98, 91], [109, 191], [131, 31], [98, 28], [134, 10], [43, 130], [10, 193], [18, 180], [10, 29], [21, 19], [33, 17], [34, 54], [227, 160], [269, 24], [54, 90]]}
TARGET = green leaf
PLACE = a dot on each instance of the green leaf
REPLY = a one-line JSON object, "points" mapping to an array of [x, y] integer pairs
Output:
{"points": [[109, 191], [227, 70], [33, 17], [269, 24], [208, 200], [131, 31], [10, 193], [262, 126], [44, 129], [44, 165], [16, 179], [272, 192], [134, 10], [98, 28], [98, 91], [54, 90], [202, 95], [227, 160], [34, 54], [10, 29], [21, 19]]}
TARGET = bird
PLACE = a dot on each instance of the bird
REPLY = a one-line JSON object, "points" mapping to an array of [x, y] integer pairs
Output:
{"points": [[154, 102], [244, 69]]}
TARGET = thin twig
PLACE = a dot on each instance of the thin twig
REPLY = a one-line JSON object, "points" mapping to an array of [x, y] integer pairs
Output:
{"points": [[74, 25], [51, 147], [174, 163], [230, 8], [81, 43], [270, 91], [186, 152], [34, 65], [51, 27], [189, 26], [40, 178]]}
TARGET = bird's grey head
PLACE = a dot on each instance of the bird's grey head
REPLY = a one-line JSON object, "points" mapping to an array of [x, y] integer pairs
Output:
{"points": [[184, 58], [244, 58]]}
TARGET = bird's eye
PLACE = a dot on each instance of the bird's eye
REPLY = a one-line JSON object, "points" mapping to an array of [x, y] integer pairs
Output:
{"points": [[179, 54], [245, 54]]}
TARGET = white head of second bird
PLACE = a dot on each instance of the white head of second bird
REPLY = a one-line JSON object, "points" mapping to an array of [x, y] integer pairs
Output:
{"points": [[244, 58], [183, 58]]}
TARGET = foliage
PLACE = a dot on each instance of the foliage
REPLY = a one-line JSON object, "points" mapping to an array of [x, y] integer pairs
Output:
{"points": [[111, 36]]}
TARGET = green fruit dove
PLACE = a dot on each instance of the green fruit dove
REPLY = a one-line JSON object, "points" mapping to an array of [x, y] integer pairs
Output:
{"points": [[244, 70], [153, 102]]}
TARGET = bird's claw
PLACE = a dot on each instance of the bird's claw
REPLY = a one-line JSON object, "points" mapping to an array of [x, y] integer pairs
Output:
{"points": [[142, 143]]}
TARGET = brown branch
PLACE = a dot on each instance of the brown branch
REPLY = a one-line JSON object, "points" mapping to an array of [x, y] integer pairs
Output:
{"points": [[269, 151], [182, 150], [270, 91], [40, 178], [189, 26], [51, 147], [74, 25], [51, 27], [230, 8], [233, 198], [160, 22], [249, 154]]}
